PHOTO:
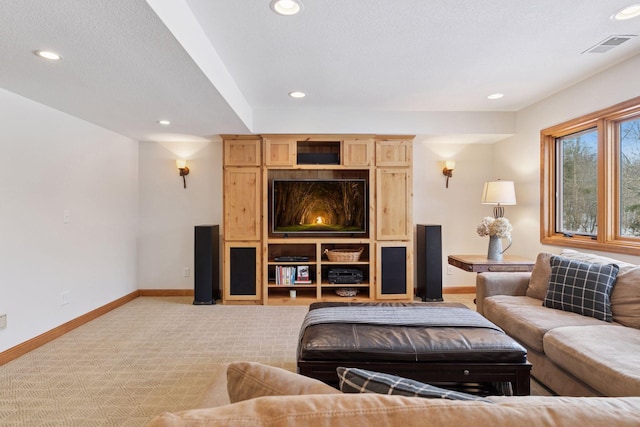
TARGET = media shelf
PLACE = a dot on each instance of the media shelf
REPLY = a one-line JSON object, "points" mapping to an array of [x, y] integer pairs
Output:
{"points": [[319, 267]]}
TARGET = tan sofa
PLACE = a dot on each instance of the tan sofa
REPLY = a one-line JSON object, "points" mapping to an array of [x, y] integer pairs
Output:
{"points": [[265, 396], [572, 354]]}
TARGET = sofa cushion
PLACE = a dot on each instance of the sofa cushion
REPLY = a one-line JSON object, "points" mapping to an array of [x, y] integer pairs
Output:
{"points": [[526, 320], [625, 298], [581, 287], [541, 272], [539, 281], [356, 380], [246, 380], [375, 410], [596, 259], [606, 357]]}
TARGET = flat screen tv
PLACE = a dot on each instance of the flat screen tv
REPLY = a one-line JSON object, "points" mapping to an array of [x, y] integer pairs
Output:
{"points": [[326, 206]]}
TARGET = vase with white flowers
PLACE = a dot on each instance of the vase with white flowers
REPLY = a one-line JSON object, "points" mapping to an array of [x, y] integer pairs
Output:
{"points": [[497, 229]]}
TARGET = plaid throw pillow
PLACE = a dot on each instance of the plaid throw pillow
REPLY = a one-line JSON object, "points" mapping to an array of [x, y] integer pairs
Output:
{"points": [[581, 287], [355, 380]]}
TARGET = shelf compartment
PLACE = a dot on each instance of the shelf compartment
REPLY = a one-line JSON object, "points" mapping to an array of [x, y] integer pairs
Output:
{"points": [[292, 249], [279, 295], [344, 285], [272, 273], [318, 152], [330, 295], [364, 257]]}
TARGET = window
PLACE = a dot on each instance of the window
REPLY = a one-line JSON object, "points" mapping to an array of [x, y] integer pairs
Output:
{"points": [[629, 131], [590, 181]]}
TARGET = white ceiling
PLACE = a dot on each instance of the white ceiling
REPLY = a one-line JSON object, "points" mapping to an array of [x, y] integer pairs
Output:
{"points": [[368, 66]]}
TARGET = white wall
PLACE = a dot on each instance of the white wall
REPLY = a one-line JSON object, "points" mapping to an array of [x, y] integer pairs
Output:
{"points": [[52, 162], [168, 212], [519, 155], [457, 208]]}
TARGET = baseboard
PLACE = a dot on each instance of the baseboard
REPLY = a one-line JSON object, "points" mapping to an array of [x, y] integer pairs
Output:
{"points": [[459, 290], [166, 292], [22, 349]]}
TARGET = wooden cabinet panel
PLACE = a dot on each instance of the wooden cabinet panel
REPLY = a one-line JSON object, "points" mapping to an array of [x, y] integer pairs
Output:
{"points": [[280, 152], [358, 152], [242, 199], [393, 202], [242, 152], [393, 153], [242, 267]]}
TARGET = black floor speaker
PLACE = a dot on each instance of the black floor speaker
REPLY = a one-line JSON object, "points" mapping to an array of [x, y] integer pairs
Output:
{"points": [[206, 271], [429, 262]]}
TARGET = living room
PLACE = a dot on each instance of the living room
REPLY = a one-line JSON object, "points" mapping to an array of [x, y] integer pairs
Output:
{"points": [[94, 215]]}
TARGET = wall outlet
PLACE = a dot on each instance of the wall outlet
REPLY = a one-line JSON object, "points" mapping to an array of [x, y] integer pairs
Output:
{"points": [[3, 321], [66, 216], [65, 297], [449, 270], [186, 272]]}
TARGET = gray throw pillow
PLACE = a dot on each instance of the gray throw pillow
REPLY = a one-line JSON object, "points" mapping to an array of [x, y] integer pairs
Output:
{"points": [[355, 380], [581, 287]]}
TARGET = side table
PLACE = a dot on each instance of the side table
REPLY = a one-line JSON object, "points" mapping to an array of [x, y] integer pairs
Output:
{"points": [[480, 263]]}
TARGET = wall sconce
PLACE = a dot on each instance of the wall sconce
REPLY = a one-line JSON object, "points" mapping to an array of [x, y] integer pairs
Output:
{"points": [[184, 170], [498, 193], [448, 170]]}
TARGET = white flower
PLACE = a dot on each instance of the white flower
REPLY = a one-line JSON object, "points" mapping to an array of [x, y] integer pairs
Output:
{"points": [[499, 227]]}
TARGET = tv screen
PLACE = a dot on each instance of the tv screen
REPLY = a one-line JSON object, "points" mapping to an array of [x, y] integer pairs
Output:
{"points": [[319, 206]]}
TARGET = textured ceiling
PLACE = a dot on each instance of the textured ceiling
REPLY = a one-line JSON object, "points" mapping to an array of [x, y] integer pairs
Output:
{"points": [[404, 66]]}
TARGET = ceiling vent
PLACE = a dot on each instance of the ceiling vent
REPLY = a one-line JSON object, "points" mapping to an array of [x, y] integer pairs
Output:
{"points": [[609, 43]]}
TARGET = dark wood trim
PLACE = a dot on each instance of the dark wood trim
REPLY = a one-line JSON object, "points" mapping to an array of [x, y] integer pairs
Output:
{"points": [[22, 349], [447, 374], [459, 290], [165, 292]]}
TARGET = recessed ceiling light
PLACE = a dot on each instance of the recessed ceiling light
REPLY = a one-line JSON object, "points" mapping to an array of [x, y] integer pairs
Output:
{"points": [[286, 7], [297, 94], [495, 96], [164, 122], [627, 13], [47, 54]]}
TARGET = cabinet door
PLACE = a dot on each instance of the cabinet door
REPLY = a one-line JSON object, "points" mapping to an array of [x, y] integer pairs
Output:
{"points": [[393, 203], [394, 271], [280, 151], [358, 152], [391, 152], [242, 266], [242, 152], [242, 198]]}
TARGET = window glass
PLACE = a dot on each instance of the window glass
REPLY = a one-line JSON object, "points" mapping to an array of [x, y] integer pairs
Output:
{"points": [[577, 183], [629, 132]]}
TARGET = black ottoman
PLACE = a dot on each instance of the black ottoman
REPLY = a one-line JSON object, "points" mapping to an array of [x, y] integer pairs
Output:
{"points": [[460, 350]]}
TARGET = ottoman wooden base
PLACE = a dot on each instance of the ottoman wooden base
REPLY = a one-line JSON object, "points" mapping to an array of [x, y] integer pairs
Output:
{"points": [[479, 378]]}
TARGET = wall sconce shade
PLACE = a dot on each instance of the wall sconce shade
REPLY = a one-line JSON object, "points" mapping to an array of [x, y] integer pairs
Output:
{"points": [[184, 170], [499, 193], [448, 170]]}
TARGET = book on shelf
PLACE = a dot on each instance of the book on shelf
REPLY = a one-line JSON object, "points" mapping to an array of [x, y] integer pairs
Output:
{"points": [[302, 275], [292, 275]]}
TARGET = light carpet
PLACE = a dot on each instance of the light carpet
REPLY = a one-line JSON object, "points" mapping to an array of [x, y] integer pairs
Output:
{"points": [[153, 354]]}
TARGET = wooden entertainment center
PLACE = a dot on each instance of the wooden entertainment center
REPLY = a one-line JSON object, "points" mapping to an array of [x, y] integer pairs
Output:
{"points": [[257, 260]]}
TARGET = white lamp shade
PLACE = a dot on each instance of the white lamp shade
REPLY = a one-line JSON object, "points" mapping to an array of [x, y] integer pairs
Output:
{"points": [[181, 163], [498, 193]]}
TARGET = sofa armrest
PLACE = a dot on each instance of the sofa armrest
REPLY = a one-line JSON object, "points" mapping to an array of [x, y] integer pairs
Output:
{"points": [[489, 284]]}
